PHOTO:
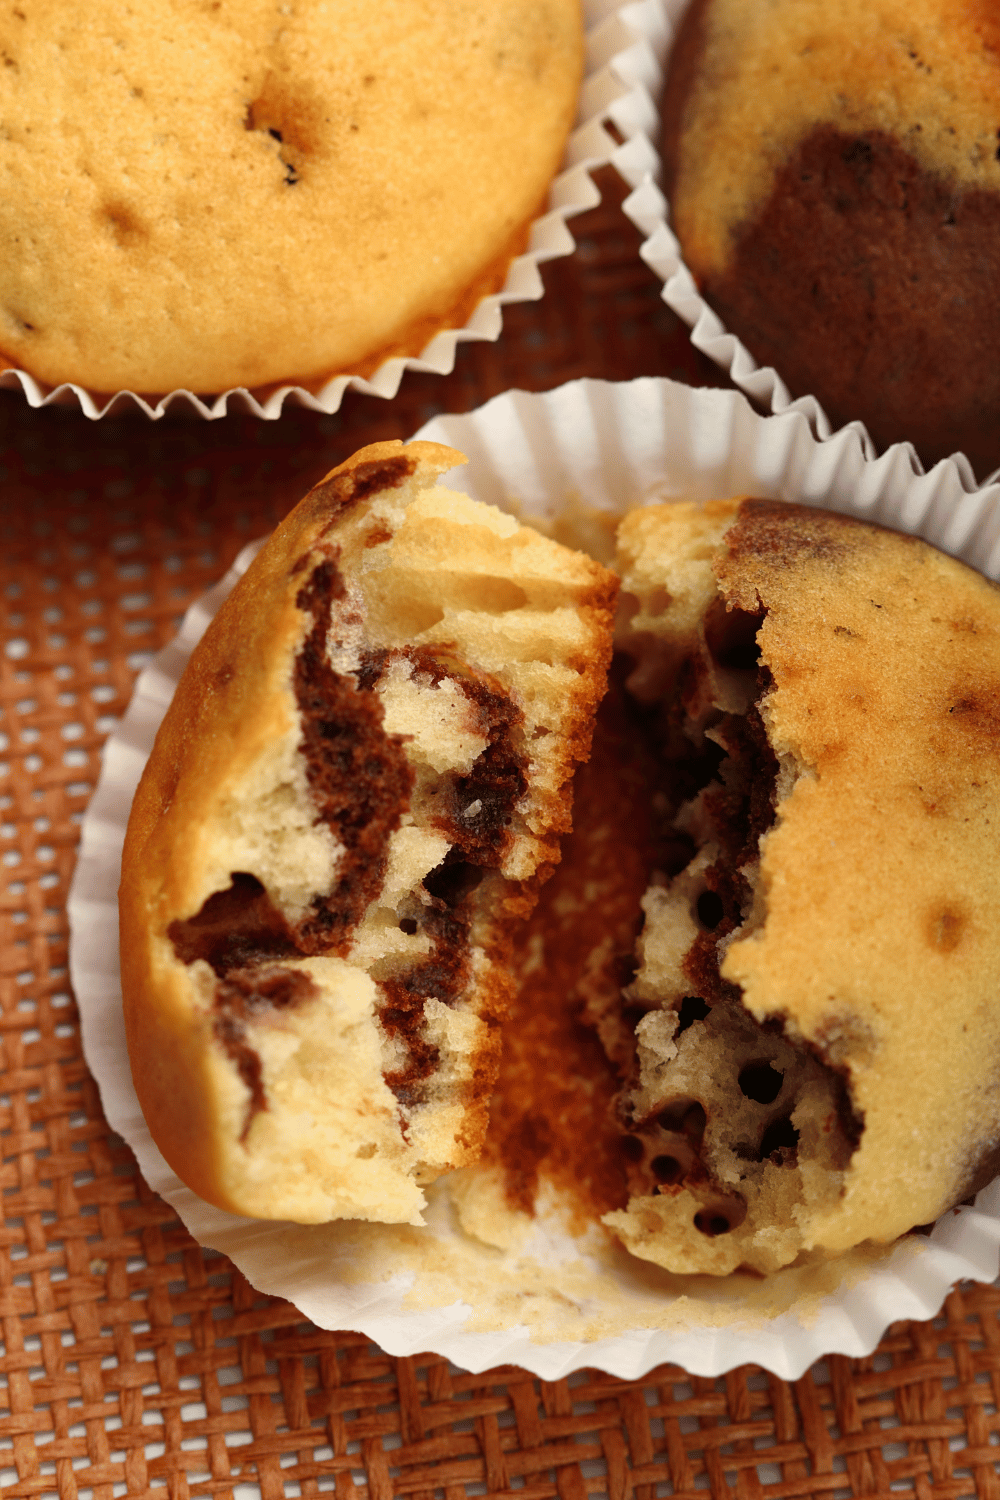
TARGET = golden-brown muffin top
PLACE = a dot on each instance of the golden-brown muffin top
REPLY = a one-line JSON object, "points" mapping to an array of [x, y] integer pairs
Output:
{"points": [[205, 195]]}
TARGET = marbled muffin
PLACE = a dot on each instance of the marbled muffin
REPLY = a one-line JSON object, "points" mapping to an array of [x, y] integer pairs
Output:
{"points": [[834, 182], [814, 1022], [359, 783], [213, 195]]}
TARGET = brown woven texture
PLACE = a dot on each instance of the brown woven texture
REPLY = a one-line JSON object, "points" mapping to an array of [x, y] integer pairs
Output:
{"points": [[134, 1362]]}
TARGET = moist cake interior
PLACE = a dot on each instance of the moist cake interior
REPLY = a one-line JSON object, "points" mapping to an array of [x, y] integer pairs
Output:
{"points": [[364, 786], [387, 790], [719, 1128]]}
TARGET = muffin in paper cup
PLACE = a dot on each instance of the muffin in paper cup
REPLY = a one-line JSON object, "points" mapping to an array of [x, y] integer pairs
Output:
{"points": [[619, 74], [650, 211], [551, 1297]]}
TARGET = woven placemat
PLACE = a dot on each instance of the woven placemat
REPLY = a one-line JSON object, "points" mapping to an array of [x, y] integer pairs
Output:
{"points": [[136, 1363]]}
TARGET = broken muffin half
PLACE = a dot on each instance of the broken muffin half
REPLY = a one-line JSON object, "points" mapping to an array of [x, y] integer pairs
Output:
{"points": [[811, 1034], [362, 776]]}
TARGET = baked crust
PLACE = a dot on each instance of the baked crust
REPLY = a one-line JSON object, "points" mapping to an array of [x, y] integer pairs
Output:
{"points": [[842, 216], [203, 197], [816, 1063], [362, 776]]}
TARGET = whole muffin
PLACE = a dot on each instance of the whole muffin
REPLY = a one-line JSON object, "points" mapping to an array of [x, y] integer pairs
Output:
{"points": [[206, 196], [835, 186]]}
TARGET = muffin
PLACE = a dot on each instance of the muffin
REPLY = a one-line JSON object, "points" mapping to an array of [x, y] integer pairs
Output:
{"points": [[834, 184], [359, 783], [810, 1035], [204, 197]]}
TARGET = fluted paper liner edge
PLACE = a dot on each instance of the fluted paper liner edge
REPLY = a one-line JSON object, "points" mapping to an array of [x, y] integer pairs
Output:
{"points": [[649, 211]]}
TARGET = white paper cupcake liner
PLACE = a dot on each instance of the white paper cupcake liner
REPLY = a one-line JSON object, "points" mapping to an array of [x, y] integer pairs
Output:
{"points": [[621, 78], [649, 211], [550, 1306]]}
